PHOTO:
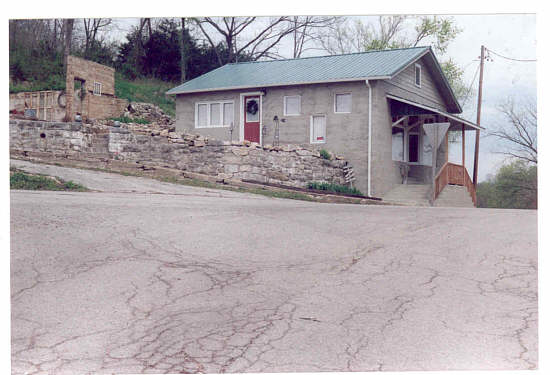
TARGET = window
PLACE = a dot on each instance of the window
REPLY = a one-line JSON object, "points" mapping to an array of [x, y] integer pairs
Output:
{"points": [[97, 88], [292, 105], [417, 75], [342, 103], [318, 129], [252, 110], [213, 114]]}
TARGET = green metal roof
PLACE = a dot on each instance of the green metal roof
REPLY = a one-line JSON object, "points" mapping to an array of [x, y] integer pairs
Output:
{"points": [[353, 66]]}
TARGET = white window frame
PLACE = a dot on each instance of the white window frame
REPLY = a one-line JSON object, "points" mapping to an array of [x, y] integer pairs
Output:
{"points": [[299, 105], [311, 140], [98, 86], [208, 104], [419, 67], [350, 100]]}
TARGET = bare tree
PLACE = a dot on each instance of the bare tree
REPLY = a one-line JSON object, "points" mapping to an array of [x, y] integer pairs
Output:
{"points": [[232, 30], [520, 132], [91, 28], [307, 30], [389, 32]]}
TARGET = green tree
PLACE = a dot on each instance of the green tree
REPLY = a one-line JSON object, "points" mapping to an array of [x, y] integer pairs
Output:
{"points": [[514, 186]]}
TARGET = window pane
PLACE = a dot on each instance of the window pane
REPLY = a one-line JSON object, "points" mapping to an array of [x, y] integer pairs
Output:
{"points": [[215, 114], [343, 102], [227, 113], [417, 75], [292, 105], [202, 114], [319, 129], [252, 110]]}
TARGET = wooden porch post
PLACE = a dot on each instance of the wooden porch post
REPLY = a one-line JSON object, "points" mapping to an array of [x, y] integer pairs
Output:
{"points": [[463, 157], [434, 161]]}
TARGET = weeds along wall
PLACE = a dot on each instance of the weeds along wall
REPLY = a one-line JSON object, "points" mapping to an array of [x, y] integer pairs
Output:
{"points": [[290, 165]]}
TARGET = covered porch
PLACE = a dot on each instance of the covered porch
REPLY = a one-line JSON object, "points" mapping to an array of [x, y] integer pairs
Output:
{"points": [[418, 130]]}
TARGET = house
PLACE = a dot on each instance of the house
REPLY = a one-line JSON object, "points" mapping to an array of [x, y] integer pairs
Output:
{"points": [[369, 107], [90, 93]]}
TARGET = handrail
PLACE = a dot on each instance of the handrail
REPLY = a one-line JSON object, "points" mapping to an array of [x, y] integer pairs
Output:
{"points": [[451, 173]]}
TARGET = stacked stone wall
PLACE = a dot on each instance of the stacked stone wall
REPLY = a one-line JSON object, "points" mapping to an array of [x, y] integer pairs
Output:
{"points": [[290, 165]]}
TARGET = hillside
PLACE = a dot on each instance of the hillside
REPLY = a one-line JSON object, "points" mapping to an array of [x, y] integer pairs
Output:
{"points": [[146, 90]]}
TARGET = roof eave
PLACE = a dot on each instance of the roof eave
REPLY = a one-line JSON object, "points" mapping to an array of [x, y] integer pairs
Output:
{"points": [[277, 85], [443, 113]]}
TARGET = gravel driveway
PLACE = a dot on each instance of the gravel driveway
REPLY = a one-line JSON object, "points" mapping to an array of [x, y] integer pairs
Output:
{"points": [[199, 280]]}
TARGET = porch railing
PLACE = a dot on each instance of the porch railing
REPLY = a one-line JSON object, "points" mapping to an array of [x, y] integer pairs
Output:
{"points": [[453, 174]]}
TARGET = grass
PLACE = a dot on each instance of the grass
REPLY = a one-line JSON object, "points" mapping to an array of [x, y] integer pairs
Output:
{"points": [[26, 181], [146, 90], [334, 188]]}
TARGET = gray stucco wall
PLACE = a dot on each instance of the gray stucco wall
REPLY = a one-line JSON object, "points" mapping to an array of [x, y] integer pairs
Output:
{"points": [[185, 114], [384, 171]]}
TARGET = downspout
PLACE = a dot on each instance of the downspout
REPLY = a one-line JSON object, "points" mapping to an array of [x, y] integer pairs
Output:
{"points": [[369, 152]]}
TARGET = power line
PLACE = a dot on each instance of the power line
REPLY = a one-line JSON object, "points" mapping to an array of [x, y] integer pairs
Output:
{"points": [[471, 85], [470, 63], [509, 58]]}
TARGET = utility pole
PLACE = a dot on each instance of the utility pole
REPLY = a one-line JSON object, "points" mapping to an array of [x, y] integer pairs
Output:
{"points": [[479, 95]]}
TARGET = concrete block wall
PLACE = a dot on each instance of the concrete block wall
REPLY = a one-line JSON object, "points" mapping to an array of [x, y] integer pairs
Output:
{"points": [[346, 134]]}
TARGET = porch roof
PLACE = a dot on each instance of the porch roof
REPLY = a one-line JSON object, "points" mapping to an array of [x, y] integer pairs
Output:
{"points": [[404, 107]]}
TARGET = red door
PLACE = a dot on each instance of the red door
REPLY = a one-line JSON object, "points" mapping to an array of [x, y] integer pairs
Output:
{"points": [[252, 118]]}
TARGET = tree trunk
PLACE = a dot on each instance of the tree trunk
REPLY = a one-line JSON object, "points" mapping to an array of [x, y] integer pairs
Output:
{"points": [[68, 37], [183, 52]]}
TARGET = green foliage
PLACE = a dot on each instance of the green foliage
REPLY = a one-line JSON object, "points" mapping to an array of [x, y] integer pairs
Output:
{"points": [[25, 181], [514, 186], [146, 90], [33, 70], [334, 188], [127, 120], [440, 31], [324, 154], [454, 75]]}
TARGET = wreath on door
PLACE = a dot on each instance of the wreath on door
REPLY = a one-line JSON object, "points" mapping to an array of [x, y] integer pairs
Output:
{"points": [[252, 107]]}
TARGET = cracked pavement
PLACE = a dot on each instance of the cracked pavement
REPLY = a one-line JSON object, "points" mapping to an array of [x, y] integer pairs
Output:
{"points": [[197, 280]]}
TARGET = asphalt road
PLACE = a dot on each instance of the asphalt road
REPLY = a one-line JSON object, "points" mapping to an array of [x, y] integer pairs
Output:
{"points": [[197, 280]]}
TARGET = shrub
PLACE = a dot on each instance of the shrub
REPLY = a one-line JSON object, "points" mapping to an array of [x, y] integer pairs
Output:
{"points": [[334, 188], [324, 154]]}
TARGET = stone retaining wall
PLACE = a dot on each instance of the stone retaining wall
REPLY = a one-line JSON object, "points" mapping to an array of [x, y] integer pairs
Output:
{"points": [[290, 165]]}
